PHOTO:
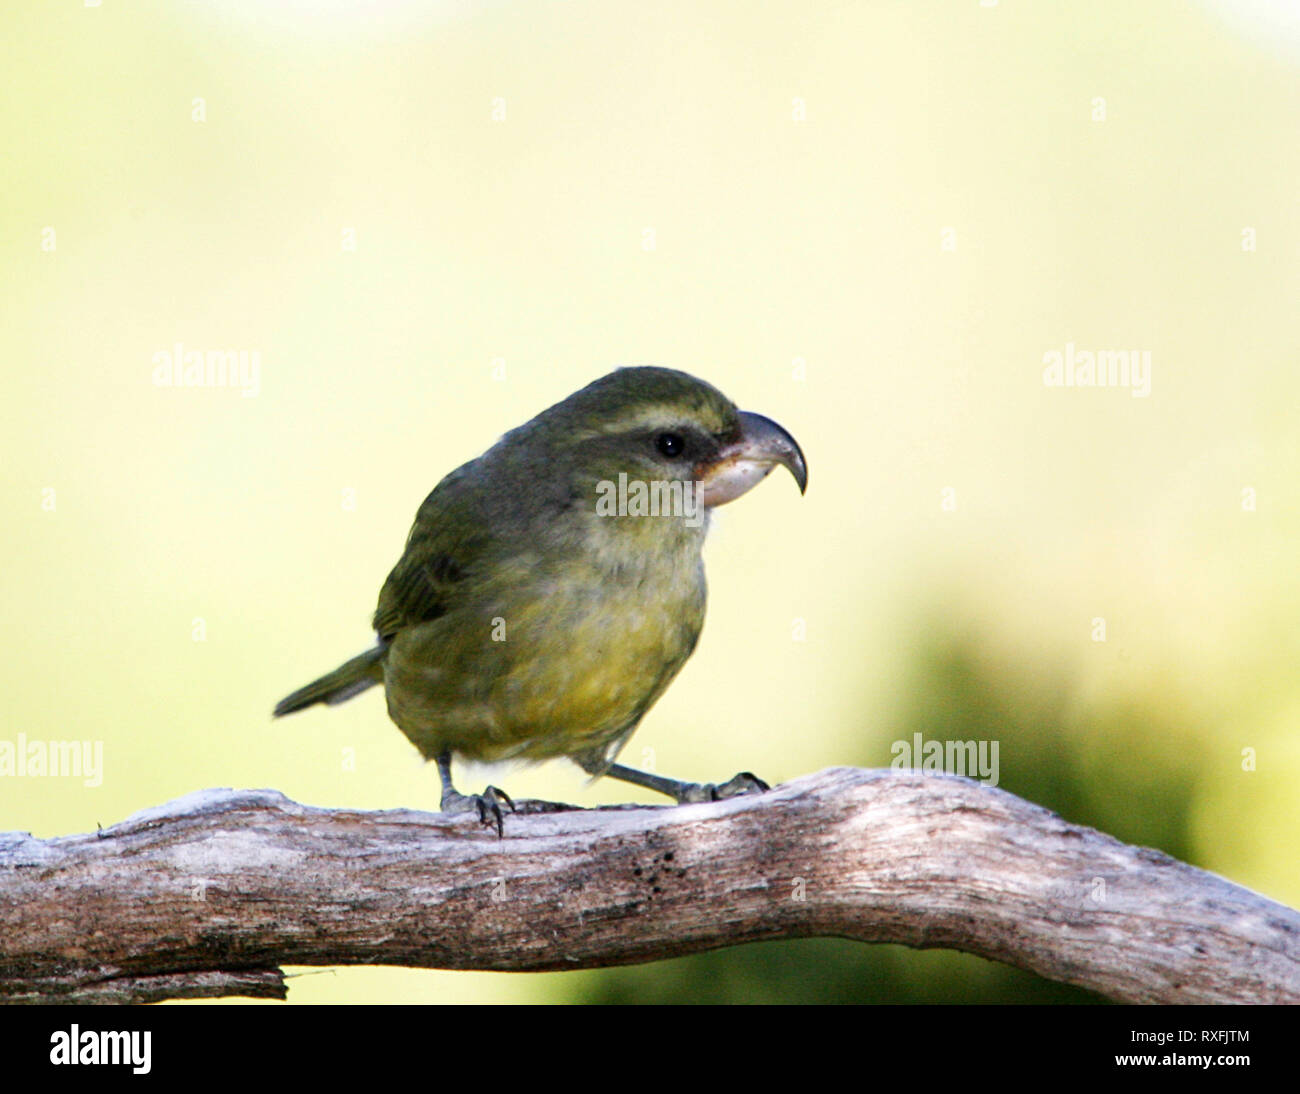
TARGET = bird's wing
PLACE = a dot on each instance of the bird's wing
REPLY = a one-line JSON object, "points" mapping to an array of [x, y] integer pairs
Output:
{"points": [[435, 573]]}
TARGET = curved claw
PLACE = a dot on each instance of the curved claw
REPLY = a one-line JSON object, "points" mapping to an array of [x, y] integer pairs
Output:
{"points": [[489, 808], [487, 805]]}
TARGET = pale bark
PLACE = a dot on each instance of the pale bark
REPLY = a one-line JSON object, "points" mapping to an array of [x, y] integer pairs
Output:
{"points": [[210, 894]]}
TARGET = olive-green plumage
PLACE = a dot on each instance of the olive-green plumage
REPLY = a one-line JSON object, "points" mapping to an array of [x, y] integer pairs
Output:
{"points": [[522, 621]]}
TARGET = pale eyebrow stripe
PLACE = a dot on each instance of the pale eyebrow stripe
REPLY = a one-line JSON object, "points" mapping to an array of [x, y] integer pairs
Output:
{"points": [[653, 418]]}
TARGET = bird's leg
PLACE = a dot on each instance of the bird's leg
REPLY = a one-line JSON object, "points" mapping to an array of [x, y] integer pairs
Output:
{"points": [[487, 805], [683, 792]]}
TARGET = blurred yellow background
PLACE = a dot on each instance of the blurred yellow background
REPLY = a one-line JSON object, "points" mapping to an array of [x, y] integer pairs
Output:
{"points": [[869, 221]]}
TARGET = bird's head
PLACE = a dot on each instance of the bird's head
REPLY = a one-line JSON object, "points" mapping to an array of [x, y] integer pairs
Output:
{"points": [[658, 425]]}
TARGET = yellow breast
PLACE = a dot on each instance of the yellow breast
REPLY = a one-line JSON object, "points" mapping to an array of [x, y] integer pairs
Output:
{"points": [[562, 660]]}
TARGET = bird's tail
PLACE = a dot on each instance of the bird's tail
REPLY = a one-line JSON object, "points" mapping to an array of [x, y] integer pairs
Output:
{"points": [[349, 679]]}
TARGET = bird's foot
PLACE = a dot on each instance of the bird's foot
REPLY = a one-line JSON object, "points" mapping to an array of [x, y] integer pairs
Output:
{"points": [[744, 783], [683, 792], [487, 805]]}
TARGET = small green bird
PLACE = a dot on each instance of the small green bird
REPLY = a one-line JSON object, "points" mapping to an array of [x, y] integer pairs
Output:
{"points": [[551, 589]]}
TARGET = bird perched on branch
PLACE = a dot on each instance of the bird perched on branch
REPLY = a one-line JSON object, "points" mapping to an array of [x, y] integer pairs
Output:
{"points": [[551, 589]]}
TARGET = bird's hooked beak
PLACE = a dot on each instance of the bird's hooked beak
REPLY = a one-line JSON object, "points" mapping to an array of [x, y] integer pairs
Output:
{"points": [[747, 461]]}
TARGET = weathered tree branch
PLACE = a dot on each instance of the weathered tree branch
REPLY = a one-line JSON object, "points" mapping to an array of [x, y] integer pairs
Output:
{"points": [[208, 895]]}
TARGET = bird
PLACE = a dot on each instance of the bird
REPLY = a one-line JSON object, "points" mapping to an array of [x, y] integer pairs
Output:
{"points": [[552, 588]]}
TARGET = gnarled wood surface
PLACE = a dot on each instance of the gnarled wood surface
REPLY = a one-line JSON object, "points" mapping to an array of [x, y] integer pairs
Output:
{"points": [[210, 894]]}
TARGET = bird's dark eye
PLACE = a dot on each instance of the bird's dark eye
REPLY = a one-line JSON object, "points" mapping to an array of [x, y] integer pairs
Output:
{"points": [[670, 444]]}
